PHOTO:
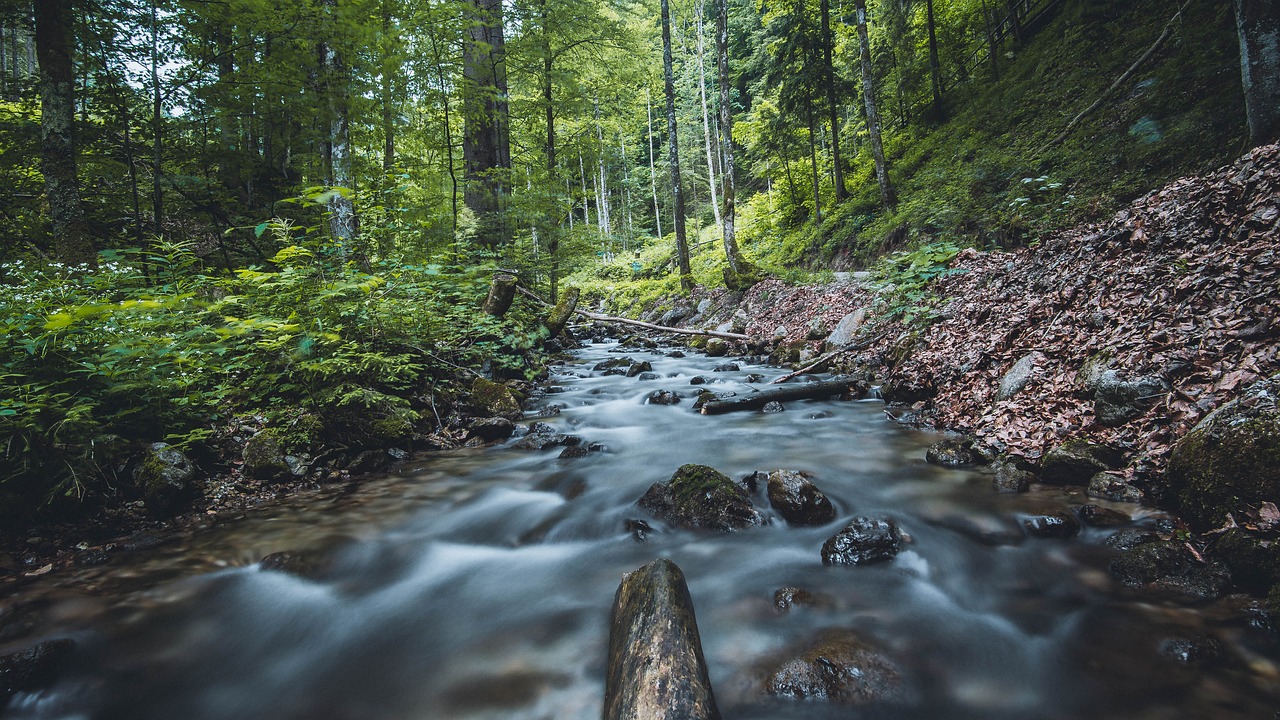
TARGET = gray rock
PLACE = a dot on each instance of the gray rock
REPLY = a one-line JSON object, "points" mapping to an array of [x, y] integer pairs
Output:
{"points": [[494, 428], [953, 452], [726, 367], [662, 397], [264, 459], [574, 451], [716, 348], [1095, 516], [838, 666], [648, 376], [1052, 525], [699, 380], [34, 668], [675, 315], [640, 367], [1168, 568], [847, 328], [1110, 487], [1010, 478], [1075, 462], [704, 305], [545, 441], [613, 363], [166, 478], [1119, 401], [773, 407], [656, 668], [865, 540], [1017, 377], [798, 500]]}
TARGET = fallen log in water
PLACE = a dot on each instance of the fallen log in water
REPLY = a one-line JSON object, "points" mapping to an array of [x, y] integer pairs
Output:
{"points": [[736, 337], [804, 391], [851, 347], [656, 668]]}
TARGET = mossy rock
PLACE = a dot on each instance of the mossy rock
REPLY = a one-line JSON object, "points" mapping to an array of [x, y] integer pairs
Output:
{"points": [[1075, 462], [1231, 459], [264, 458], [166, 479], [701, 497], [494, 400], [1254, 561]]}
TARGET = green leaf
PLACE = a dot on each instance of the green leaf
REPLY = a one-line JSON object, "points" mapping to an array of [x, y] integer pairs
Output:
{"points": [[261, 228]]}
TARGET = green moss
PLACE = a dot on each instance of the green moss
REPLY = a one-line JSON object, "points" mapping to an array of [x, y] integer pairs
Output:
{"points": [[494, 399], [691, 483]]}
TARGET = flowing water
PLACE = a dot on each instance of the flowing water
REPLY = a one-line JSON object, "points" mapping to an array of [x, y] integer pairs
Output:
{"points": [[478, 584]]}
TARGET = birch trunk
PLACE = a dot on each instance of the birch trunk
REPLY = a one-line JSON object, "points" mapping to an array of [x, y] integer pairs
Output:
{"points": [[706, 123], [888, 198], [737, 266], [653, 176], [682, 243]]}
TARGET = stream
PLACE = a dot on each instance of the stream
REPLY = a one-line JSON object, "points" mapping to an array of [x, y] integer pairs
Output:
{"points": [[478, 583]]}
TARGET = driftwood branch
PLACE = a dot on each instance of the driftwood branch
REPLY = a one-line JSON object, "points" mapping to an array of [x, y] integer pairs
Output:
{"points": [[802, 391], [736, 337], [851, 347], [1164, 35]]}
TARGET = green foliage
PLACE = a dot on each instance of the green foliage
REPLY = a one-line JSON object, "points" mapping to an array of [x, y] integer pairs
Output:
{"points": [[903, 279]]}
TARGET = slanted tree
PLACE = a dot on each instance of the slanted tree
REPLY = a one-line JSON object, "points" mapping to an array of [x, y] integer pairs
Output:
{"points": [[1258, 24], [72, 241]]}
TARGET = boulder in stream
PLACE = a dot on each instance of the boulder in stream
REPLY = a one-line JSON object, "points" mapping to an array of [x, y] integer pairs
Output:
{"points": [[34, 668], [1010, 478], [839, 666], [864, 541], [953, 452], [798, 500], [656, 669], [662, 397], [1170, 568], [493, 428], [701, 498], [1052, 525], [1075, 462], [493, 399]]}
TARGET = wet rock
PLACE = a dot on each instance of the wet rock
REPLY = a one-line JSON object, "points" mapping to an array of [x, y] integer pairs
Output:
{"points": [[701, 498], [864, 541], [35, 668], [699, 380], [1010, 478], [820, 415], [639, 529], [544, 441], [953, 452], [990, 530], [1192, 649], [773, 407], [1130, 538], [1113, 487], [716, 348], [907, 390], [574, 451], [549, 411], [494, 428], [264, 458], [620, 372], [640, 367], [1119, 401], [1016, 378], [1052, 525], [1254, 559], [166, 478], [675, 354], [1168, 567], [309, 564], [1231, 459], [753, 378], [784, 599], [726, 367], [839, 666], [706, 396], [656, 668], [798, 500], [1125, 652], [541, 428], [619, 362], [648, 376], [493, 399], [369, 461], [662, 397], [1095, 516], [1075, 462]]}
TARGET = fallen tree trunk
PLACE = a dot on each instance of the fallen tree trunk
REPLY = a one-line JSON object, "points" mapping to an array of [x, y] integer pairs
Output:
{"points": [[560, 314], [736, 337], [656, 667], [803, 391], [851, 347]]}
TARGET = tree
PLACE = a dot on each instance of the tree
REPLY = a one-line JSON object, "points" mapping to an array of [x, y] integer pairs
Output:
{"points": [[833, 109], [682, 244], [935, 67], [738, 272], [1258, 24], [888, 198], [486, 141], [71, 239]]}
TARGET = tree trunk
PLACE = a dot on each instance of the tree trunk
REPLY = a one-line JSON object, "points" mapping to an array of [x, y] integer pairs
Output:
{"points": [[935, 68], [803, 391], [656, 668], [157, 130], [502, 290], [706, 122], [737, 265], [992, 45], [1258, 23], [343, 224], [813, 158], [448, 131], [888, 198], [388, 89], [486, 143], [1015, 21], [682, 243], [653, 176], [71, 240], [829, 80]]}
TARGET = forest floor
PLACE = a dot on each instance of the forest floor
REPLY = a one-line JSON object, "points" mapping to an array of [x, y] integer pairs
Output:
{"points": [[1181, 288]]}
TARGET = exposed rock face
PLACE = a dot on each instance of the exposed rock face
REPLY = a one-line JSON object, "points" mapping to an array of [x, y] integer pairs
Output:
{"points": [[953, 452], [166, 478], [1075, 462], [34, 668], [847, 328], [494, 400], [1168, 567], [701, 498], [656, 667], [264, 459], [1119, 401], [863, 541], [798, 500], [1231, 459], [839, 665], [494, 428]]}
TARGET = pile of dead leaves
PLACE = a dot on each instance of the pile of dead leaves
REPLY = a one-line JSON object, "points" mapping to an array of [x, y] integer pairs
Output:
{"points": [[1183, 285]]}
